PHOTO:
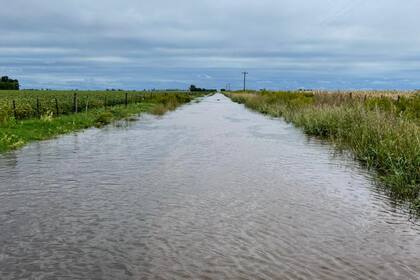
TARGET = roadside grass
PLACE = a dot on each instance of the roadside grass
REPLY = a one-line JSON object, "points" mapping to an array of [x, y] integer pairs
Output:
{"points": [[382, 132]]}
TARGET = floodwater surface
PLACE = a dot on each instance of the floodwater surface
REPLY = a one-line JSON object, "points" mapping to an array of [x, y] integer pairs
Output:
{"points": [[210, 191]]}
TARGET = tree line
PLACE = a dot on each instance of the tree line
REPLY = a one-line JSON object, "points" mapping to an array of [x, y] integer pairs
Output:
{"points": [[193, 88], [8, 84]]}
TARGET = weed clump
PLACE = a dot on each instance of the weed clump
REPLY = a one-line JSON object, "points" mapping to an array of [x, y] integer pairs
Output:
{"points": [[103, 118]]}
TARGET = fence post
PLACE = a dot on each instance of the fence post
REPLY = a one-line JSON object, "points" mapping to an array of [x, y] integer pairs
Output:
{"points": [[56, 106], [126, 99], [75, 103], [14, 109], [398, 98], [38, 108]]}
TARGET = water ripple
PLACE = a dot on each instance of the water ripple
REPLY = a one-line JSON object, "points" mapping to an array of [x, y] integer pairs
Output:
{"points": [[211, 191]]}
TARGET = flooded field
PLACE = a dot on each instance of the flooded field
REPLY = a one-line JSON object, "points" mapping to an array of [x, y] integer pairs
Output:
{"points": [[210, 191]]}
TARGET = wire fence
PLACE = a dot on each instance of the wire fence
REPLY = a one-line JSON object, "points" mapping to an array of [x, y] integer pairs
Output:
{"points": [[64, 104]]}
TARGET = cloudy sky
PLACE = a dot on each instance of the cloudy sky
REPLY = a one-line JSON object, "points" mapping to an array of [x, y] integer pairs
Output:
{"points": [[136, 44]]}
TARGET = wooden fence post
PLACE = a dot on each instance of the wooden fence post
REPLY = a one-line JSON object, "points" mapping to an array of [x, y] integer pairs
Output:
{"points": [[56, 107], [126, 99], [14, 109], [38, 111], [75, 103]]}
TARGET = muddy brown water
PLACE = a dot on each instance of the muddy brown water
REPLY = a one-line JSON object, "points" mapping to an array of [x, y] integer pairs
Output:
{"points": [[210, 191]]}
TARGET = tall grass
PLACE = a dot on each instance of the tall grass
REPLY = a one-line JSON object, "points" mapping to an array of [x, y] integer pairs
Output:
{"points": [[383, 132]]}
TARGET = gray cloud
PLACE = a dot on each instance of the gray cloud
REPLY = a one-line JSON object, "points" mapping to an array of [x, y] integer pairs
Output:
{"points": [[161, 43]]}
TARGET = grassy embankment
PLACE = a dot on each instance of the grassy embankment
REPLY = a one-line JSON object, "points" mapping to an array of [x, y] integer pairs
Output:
{"points": [[27, 116], [382, 129]]}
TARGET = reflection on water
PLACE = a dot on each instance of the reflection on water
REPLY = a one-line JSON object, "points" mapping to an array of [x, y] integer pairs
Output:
{"points": [[210, 191]]}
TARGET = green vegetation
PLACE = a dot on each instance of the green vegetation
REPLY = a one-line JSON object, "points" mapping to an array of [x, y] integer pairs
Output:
{"points": [[8, 84], [193, 88], [26, 104], [39, 122], [381, 129]]}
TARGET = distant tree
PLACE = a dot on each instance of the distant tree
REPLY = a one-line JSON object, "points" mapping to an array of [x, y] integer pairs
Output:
{"points": [[193, 88], [8, 84]]}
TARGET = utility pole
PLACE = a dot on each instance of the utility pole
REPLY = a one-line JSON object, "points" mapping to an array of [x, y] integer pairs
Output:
{"points": [[245, 73]]}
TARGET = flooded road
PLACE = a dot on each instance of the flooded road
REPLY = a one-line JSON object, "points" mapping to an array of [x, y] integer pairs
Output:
{"points": [[210, 191]]}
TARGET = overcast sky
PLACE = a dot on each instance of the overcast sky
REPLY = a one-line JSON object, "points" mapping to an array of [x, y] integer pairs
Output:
{"points": [[136, 44]]}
